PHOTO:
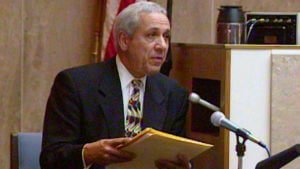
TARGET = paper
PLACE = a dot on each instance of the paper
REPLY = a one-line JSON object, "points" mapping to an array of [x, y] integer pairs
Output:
{"points": [[151, 145]]}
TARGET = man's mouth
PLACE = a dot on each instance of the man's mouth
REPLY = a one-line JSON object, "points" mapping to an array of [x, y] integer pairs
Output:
{"points": [[158, 58]]}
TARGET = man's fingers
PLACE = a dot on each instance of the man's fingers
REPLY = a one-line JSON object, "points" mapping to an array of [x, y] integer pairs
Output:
{"points": [[104, 152], [112, 148], [118, 159], [162, 163], [182, 159], [117, 141], [119, 154], [108, 156], [159, 164], [181, 163]]}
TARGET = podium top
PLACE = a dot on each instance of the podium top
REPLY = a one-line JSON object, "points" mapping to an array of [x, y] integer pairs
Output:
{"points": [[235, 46]]}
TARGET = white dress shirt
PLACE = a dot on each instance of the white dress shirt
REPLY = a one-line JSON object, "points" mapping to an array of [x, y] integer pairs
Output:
{"points": [[127, 88]]}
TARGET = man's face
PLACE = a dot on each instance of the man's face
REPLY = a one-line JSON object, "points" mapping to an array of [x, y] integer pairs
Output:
{"points": [[147, 48]]}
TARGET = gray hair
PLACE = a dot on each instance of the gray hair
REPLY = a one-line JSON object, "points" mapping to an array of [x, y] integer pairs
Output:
{"points": [[129, 20]]}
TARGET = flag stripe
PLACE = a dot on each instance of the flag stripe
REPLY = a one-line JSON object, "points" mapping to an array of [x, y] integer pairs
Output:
{"points": [[111, 13], [111, 50], [108, 47]]}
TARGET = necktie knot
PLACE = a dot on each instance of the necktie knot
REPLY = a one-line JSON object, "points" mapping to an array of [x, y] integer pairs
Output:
{"points": [[137, 83]]}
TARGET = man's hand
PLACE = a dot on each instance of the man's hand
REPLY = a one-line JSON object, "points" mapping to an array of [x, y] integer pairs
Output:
{"points": [[105, 152], [181, 163]]}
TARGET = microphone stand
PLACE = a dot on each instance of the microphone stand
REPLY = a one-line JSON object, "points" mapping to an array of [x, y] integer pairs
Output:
{"points": [[240, 147], [240, 133]]}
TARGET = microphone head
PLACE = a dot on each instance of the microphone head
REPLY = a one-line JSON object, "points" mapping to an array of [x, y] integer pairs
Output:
{"points": [[194, 98], [216, 118]]}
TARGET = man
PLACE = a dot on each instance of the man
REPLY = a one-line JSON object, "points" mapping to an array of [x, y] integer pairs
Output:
{"points": [[91, 110]]}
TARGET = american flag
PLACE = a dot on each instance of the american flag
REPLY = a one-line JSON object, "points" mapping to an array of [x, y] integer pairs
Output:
{"points": [[113, 8]]}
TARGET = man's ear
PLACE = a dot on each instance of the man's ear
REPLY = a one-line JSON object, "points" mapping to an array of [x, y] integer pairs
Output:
{"points": [[124, 40]]}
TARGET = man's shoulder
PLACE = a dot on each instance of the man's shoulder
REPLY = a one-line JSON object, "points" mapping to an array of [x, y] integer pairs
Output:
{"points": [[93, 70], [166, 82], [161, 78], [86, 76], [93, 67]]}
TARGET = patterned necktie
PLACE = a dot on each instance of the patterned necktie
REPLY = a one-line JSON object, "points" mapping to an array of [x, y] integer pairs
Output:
{"points": [[134, 114]]}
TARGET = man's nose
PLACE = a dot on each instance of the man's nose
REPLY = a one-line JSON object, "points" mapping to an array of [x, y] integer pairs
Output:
{"points": [[161, 43]]}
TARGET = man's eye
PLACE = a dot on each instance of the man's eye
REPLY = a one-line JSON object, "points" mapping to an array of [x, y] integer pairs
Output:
{"points": [[151, 35], [167, 36]]}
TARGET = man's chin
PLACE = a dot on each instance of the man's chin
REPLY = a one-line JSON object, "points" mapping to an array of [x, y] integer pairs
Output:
{"points": [[153, 70]]}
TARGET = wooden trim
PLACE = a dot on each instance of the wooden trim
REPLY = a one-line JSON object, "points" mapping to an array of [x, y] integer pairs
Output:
{"points": [[235, 46], [101, 13], [227, 106], [198, 46], [248, 46]]}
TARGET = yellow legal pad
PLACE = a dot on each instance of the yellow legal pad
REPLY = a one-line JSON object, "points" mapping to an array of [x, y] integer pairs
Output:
{"points": [[151, 145]]}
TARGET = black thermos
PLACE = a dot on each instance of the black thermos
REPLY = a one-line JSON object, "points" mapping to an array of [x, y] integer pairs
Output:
{"points": [[231, 25]]}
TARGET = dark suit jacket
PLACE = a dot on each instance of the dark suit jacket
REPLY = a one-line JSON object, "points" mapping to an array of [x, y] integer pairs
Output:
{"points": [[86, 105]]}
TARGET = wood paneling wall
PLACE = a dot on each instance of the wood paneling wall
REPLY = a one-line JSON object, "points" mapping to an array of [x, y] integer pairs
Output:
{"points": [[40, 38], [37, 40], [10, 74]]}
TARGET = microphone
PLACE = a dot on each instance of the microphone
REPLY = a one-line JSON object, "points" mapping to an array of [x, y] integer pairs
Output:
{"points": [[219, 119], [195, 98], [280, 159]]}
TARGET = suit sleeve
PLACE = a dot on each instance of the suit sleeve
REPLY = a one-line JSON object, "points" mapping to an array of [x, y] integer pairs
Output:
{"points": [[179, 125], [180, 100], [62, 146]]}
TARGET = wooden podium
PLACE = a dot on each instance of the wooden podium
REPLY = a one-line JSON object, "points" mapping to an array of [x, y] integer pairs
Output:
{"points": [[239, 79], [205, 71]]}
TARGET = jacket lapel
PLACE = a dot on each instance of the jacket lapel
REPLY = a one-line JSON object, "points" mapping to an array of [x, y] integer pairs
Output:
{"points": [[111, 101], [154, 111]]}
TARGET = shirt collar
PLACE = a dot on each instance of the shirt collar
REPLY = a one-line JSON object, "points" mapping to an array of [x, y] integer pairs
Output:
{"points": [[125, 76]]}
